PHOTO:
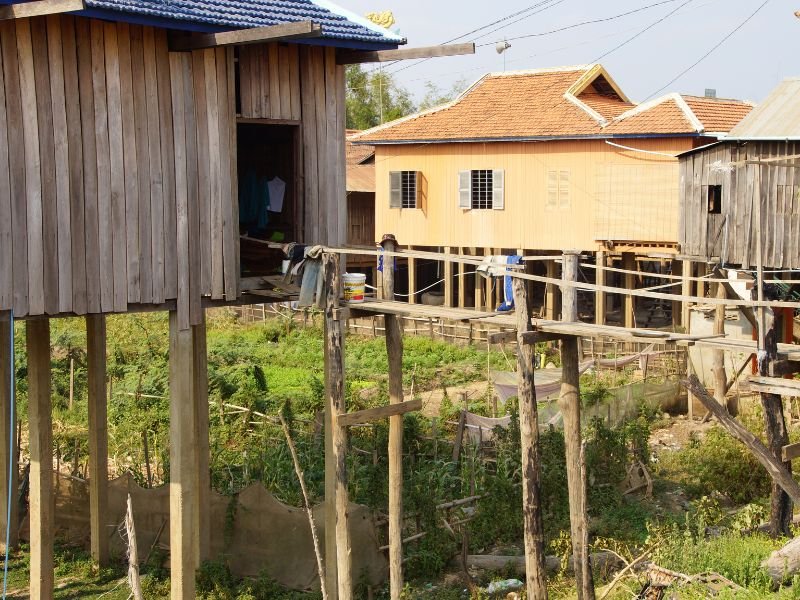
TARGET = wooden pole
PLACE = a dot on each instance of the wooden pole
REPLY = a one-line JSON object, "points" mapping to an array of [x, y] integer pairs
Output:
{"points": [[675, 269], [448, 279], [551, 294], [412, 279], [686, 290], [40, 440], [628, 305], [478, 285], [98, 436], [774, 423], [183, 461], [133, 554], [9, 460], [600, 296], [394, 351], [334, 375], [535, 576], [718, 355], [462, 282], [203, 506], [570, 405]]}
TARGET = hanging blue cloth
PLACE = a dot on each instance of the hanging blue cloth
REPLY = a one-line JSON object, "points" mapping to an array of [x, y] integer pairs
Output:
{"points": [[508, 288], [253, 202]]}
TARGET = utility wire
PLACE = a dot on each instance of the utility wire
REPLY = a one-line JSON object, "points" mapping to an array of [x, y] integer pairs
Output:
{"points": [[581, 24], [707, 54], [648, 28]]}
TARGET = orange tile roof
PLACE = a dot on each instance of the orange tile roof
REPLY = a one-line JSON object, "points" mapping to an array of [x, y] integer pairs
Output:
{"points": [[356, 154], [718, 114], [556, 103]]}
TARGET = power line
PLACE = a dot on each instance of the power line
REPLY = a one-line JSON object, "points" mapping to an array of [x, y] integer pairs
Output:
{"points": [[707, 54], [648, 28], [582, 23]]}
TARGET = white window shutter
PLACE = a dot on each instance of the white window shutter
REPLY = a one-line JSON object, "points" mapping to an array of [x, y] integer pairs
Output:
{"points": [[417, 188], [465, 189], [552, 189], [498, 189], [395, 189], [563, 189]]}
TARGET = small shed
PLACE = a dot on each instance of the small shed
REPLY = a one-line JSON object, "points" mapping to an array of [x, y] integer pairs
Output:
{"points": [[753, 172]]}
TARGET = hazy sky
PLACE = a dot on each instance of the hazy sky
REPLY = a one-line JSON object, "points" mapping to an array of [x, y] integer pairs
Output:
{"points": [[765, 50]]}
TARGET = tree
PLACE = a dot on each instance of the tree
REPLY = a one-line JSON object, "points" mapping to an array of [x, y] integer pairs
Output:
{"points": [[435, 96], [373, 97]]}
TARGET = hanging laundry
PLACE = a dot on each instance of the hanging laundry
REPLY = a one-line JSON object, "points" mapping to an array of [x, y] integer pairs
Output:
{"points": [[253, 202], [277, 188], [508, 287]]}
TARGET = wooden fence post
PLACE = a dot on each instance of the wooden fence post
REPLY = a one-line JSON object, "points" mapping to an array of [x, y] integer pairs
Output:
{"points": [[536, 580], [394, 350], [98, 436], [570, 405], [334, 377]]}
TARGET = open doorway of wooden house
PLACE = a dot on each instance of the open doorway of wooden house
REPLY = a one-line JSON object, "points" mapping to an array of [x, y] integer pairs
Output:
{"points": [[268, 194]]}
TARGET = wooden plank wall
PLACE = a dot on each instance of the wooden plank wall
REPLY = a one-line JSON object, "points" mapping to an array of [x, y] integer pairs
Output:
{"points": [[111, 149], [731, 235]]}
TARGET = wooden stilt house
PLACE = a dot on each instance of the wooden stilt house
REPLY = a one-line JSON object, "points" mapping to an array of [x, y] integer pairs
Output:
{"points": [[128, 129]]}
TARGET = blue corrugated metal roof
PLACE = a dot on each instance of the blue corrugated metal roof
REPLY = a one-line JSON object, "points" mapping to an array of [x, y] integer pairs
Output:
{"points": [[337, 23]]}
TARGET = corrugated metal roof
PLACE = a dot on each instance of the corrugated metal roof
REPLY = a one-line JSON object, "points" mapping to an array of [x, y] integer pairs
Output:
{"points": [[777, 117], [337, 23]]}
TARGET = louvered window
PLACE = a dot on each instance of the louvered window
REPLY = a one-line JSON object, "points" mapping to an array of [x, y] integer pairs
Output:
{"points": [[481, 189], [403, 189], [557, 189]]}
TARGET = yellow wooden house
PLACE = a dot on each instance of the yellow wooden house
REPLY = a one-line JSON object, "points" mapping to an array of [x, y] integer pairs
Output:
{"points": [[538, 162]]}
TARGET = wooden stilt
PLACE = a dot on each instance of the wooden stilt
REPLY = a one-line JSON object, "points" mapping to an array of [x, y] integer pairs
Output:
{"points": [[8, 439], [478, 283], [676, 305], [447, 274], [98, 436], [394, 351], [203, 506], [718, 355], [462, 283], [687, 270], [489, 284], [40, 440], [183, 461], [570, 405], [552, 295], [334, 375], [536, 580], [331, 571], [600, 297], [628, 303], [412, 279]]}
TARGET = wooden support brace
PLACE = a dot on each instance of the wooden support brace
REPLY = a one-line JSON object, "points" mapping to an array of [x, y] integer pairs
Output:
{"points": [[779, 368], [98, 437], [526, 337], [39, 8], [790, 452], [240, 37], [356, 57], [775, 385], [40, 440], [779, 474], [376, 414]]}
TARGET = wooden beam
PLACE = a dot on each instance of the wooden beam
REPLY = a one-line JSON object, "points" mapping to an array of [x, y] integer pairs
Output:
{"points": [[394, 352], [371, 415], [775, 385], [790, 452], [777, 471], [98, 436], [448, 279], [628, 305], [203, 504], [240, 37], [183, 462], [536, 579], [40, 441], [334, 377], [369, 56], [778, 368], [527, 337], [39, 8], [8, 437], [600, 296]]}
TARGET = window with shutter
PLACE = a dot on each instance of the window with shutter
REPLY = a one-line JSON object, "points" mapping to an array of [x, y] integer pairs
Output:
{"points": [[552, 190], [498, 189], [395, 189], [465, 189], [403, 189], [563, 189]]}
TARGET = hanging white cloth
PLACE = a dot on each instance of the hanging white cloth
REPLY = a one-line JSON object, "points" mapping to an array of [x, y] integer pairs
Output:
{"points": [[277, 188]]}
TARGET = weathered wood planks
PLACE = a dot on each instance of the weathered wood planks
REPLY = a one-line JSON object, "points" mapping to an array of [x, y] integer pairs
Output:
{"points": [[88, 215]]}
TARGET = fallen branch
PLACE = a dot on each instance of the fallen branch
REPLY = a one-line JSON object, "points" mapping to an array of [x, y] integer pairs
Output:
{"points": [[624, 571]]}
